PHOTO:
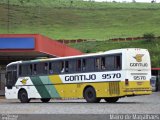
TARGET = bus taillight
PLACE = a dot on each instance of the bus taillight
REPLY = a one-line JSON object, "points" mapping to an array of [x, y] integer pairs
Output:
{"points": [[126, 82]]}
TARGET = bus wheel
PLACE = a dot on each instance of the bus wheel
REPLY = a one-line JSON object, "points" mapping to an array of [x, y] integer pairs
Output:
{"points": [[90, 95], [23, 96], [45, 100], [111, 99]]}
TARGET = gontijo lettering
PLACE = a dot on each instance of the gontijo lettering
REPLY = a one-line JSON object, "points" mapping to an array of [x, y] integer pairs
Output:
{"points": [[80, 77], [138, 64]]}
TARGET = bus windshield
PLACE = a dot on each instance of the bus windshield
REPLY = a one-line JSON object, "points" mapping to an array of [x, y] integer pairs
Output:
{"points": [[11, 76]]}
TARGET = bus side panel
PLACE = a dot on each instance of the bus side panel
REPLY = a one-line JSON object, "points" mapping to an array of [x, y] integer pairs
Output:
{"points": [[64, 90], [103, 89], [13, 93], [75, 90], [52, 87], [108, 89], [28, 84]]}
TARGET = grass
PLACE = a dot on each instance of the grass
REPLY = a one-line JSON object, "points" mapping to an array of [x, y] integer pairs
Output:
{"points": [[60, 19], [97, 46]]}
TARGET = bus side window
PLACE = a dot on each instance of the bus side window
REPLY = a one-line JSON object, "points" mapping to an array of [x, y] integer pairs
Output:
{"points": [[90, 64], [27, 70], [45, 68], [72, 66], [57, 67], [34, 69], [24, 70], [50, 68], [20, 70], [62, 66], [98, 63], [66, 66], [118, 62], [31, 69], [83, 65], [103, 65], [110, 62], [41, 68], [78, 65]]}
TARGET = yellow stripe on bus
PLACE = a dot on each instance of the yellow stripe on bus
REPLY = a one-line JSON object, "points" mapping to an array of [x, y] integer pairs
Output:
{"points": [[55, 79]]}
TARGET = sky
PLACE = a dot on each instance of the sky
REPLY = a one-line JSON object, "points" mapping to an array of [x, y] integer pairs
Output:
{"points": [[127, 0]]}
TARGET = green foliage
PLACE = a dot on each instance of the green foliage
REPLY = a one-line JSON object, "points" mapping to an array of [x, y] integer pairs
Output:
{"points": [[149, 37], [92, 46], [59, 22]]}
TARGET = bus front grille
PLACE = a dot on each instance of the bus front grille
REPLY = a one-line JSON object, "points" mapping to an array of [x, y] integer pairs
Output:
{"points": [[114, 88]]}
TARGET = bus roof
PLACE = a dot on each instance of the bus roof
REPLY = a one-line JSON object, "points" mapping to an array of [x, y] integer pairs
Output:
{"points": [[79, 56]]}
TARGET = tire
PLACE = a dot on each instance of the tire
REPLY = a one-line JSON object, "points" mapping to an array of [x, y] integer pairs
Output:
{"points": [[111, 99], [23, 96], [90, 95], [45, 100]]}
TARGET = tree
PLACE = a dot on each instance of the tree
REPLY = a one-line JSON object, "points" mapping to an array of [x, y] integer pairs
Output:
{"points": [[149, 37]]}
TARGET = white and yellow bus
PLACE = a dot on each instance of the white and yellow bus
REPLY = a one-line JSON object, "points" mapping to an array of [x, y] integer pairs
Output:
{"points": [[109, 76]]}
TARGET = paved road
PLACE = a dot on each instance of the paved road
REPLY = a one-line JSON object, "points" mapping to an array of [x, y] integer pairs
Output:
{"points": [[149, 104]]}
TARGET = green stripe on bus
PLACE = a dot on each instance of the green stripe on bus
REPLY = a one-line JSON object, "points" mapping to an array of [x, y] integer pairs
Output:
{"points": [[52, 90], [40, 87]]}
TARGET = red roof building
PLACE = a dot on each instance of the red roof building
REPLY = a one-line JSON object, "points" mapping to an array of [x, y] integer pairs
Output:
{"points": [[15, 47]]}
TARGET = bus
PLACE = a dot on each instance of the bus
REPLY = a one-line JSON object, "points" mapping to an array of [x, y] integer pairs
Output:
{"points": [[109, 75]]}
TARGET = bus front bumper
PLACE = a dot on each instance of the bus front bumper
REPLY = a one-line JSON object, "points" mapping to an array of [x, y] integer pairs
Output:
{"points": [[11, 93]]}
